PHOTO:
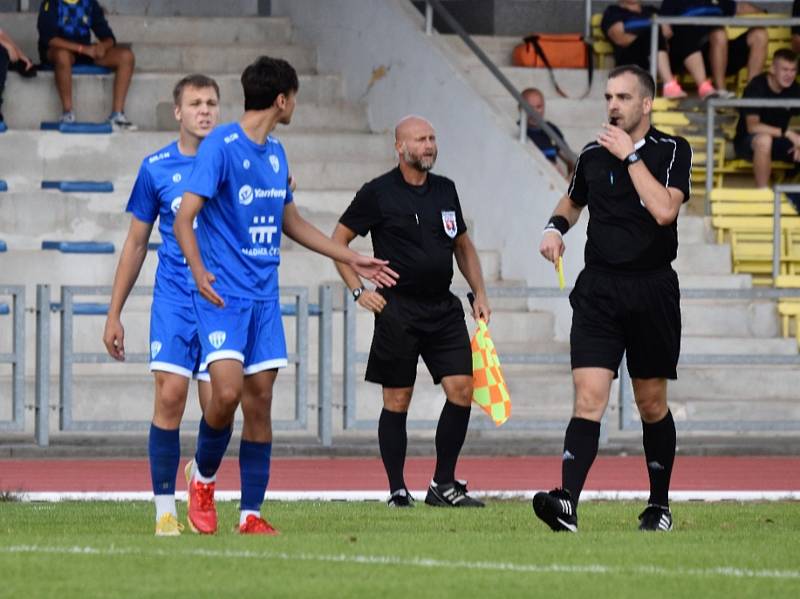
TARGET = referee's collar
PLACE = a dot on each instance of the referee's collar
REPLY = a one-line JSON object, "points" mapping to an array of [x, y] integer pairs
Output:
{"points": [[640, 143]]}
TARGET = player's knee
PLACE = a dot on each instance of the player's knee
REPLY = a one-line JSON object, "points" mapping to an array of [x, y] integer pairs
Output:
{"points": [[126, 58], [227, 395], [589, 403], [652, 409], [461, 395], [171, 404], [396, 401]]}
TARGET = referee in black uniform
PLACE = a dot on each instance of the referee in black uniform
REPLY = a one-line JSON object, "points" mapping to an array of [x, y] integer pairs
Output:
{"points": [[634, 180], [416, 224]]}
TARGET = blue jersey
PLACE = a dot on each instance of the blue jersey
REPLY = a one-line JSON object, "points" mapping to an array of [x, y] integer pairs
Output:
{"points": [[246, 186], [157, 194]]}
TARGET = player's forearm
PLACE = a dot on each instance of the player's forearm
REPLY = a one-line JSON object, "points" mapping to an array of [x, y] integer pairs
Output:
{"points": [[568, 209], [184, 233], [652, 193], [300, 230], [130, 265]]}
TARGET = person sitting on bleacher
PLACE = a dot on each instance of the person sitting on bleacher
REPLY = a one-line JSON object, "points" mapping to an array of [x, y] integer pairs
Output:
{"points": [[763, 134], [536, 134], [796, 29], [627, 26], [65, 38], [12, 58], [749, 49]]}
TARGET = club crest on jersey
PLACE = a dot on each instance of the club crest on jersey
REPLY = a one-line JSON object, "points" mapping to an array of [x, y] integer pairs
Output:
{"points": [[273, 160], [245, 195], [217, 338], [176, 178], [155, 347], [449, 221]]}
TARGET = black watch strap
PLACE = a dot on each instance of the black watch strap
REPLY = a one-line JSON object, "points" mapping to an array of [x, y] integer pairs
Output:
{"points": [[632, 158], [357, 293]]}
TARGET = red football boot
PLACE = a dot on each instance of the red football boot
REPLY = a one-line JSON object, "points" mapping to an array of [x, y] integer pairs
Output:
{"points": [[202, 511], [254, 525]]}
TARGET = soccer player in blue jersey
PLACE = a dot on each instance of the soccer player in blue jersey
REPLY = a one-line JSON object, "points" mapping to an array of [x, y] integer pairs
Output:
{"points": [[174, 344], [241, 183]]}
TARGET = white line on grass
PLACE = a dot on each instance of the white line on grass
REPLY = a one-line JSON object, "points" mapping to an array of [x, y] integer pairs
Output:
{"points": [[382, 495], [420, 562]]}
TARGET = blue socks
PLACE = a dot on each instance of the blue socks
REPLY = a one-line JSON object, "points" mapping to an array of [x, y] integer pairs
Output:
{"points": [[164, 449], [254, 461], [211, 446]]}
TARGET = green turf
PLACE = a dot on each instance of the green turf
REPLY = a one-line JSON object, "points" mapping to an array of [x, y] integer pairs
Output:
{"points": [[106, 549]]}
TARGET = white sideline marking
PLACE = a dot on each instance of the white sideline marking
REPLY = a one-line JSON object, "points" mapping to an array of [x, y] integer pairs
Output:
{"points": [[421, 562], [419, 494]]}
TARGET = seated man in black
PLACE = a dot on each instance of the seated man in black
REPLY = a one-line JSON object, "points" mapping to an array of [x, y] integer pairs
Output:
{"points": [[549, 148], [749, 49], [65, 38], [12, 58], [627, 27], [763, 134]]}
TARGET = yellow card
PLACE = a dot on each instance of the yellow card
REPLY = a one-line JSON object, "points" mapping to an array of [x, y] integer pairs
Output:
{"points": [[561, 283]]}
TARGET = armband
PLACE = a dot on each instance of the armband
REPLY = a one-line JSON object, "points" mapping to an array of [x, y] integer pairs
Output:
{"points": [[558, 224]]}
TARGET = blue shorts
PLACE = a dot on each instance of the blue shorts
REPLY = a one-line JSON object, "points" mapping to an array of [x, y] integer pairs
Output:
{"points": [[246, 330], [174, 343]]}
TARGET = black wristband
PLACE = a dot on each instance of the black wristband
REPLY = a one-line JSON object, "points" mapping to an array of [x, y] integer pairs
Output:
{"points": [[558, 223]]}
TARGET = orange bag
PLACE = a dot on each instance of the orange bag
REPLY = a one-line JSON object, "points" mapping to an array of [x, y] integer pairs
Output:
{"points": [[552, 50]]}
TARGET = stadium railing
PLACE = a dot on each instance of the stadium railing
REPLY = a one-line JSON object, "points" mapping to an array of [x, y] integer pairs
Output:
{"points": [[525, 109], [779, 190], [68, 309], [711, 110], [16, 357], [627, 414]]}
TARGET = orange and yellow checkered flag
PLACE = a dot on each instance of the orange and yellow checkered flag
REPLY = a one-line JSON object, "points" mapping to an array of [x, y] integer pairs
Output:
{"points": [[489, 386]]}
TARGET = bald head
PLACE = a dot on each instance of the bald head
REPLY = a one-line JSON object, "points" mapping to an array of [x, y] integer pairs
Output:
{"points": [[535, 99], [415, 142], [409, 126]]}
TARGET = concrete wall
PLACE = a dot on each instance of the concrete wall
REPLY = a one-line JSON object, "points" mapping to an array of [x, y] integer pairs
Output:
{"points": [[386, 61]]}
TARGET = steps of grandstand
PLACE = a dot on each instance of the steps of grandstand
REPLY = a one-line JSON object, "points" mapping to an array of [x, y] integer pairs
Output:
{"points": [[331, 152]]}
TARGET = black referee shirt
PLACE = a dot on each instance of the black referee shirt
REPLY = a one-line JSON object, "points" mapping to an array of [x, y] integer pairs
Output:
{"points": [[414, 228], [622, 235]]}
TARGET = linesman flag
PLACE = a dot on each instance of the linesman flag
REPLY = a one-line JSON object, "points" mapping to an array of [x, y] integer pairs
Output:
{"points": [[489, 387]]}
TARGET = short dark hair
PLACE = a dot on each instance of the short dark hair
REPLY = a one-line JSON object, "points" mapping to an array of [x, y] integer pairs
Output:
{"points": [[266, 79], [646, 83], [197, 81], [785, 54]]}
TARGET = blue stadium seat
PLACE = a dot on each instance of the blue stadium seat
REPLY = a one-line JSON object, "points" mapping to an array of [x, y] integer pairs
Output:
{"points": [[3, 246], [3, 185], [79, 247], [3, 127], [4, 309], [79, 186], [95, 128], [80, 69]]}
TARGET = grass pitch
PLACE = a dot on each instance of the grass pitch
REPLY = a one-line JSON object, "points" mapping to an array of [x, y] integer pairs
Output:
{"points": [[107, 549]]}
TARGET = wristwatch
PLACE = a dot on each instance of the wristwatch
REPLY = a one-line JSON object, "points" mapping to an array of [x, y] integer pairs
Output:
{"points": [[632, 158], [357, 293]]}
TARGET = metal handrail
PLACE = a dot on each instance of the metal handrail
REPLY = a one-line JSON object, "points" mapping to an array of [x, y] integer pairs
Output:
{"points": [[776, 227], [436, 5], [657, 20], [711, 110]]}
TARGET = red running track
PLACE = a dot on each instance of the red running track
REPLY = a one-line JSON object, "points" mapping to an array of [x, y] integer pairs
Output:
{"points": [[691, 473]]}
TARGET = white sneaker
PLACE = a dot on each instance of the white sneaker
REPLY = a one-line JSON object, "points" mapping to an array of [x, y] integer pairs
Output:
{"points": [[119, 122]]}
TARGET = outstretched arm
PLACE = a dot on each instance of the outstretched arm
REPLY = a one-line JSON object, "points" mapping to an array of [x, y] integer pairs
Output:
{"points": [[130, 263], [300, 230]]}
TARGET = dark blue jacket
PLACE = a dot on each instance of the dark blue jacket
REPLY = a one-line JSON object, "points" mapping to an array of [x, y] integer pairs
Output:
{"points": [[73, 21]]}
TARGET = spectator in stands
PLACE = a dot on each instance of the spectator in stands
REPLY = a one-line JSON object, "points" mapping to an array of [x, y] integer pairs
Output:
{"points": [[796, 30], [627, 26], [65, 39], [12, 58], [763, 134], [549, 148], [749, 49]]}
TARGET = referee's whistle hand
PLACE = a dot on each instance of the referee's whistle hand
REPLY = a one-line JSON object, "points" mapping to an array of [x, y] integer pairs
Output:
{"points": [[616, 141], [552, 247], [372, 301]]}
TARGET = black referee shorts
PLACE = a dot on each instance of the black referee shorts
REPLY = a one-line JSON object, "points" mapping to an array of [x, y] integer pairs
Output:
{"points": [[639, 314], [410, 327]]}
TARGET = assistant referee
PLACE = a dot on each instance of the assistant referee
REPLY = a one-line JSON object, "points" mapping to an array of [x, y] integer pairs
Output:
{"points": [[634, 180], [416, 224]]}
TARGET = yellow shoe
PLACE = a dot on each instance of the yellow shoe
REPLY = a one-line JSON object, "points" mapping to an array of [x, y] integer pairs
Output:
{"points": [[168, 526]]}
